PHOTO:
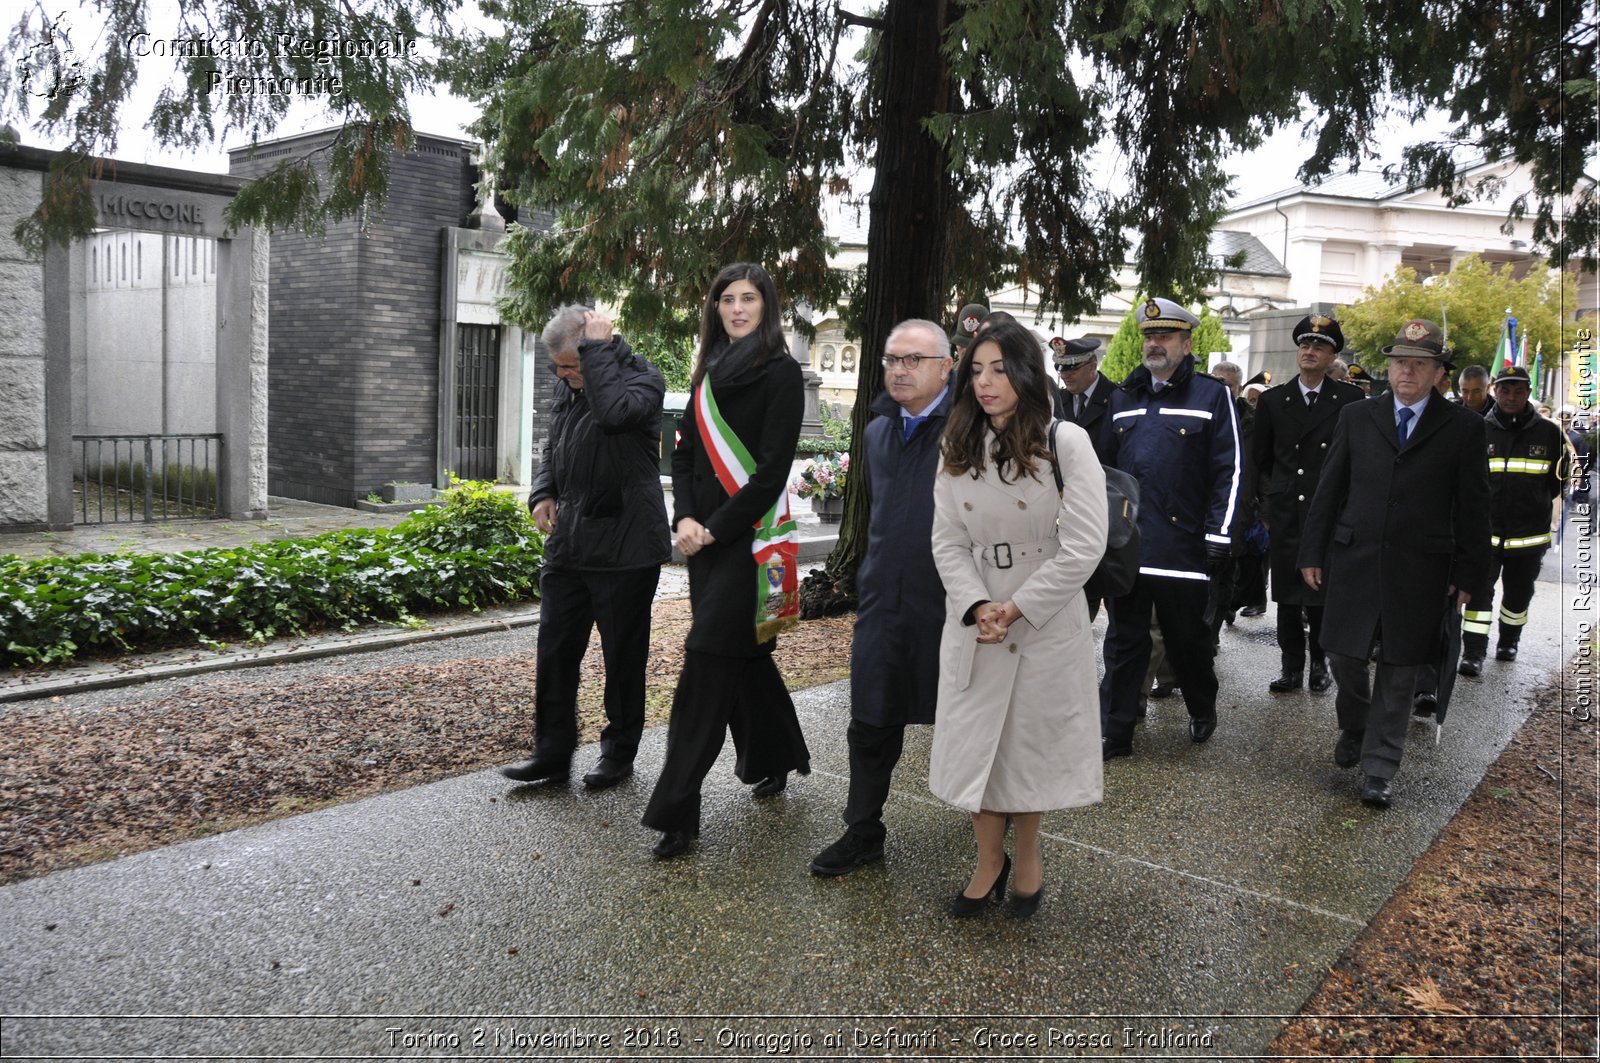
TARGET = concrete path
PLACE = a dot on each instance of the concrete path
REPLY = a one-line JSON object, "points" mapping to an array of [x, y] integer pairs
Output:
{"points": [[1186, 916]]}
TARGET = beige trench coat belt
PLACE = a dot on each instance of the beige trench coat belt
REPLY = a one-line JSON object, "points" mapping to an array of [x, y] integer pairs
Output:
{"points": [[1004, 555]]}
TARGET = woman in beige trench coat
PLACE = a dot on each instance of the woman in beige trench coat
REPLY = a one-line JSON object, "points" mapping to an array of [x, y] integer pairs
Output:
{"points": [[1017, 732]]}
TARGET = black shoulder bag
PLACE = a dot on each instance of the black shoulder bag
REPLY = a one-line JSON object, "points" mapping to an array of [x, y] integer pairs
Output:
{"points": [[1113, 577]]}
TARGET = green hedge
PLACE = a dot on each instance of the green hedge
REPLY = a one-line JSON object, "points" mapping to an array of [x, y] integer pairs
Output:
{"points": [[476, 549]]}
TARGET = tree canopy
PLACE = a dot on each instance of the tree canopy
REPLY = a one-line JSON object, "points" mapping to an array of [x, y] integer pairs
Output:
{"points": [[1471, 300]]}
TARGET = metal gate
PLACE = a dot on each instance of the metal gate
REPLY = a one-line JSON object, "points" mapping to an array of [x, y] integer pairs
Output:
{"points": [[472, 450], [124, 478]]}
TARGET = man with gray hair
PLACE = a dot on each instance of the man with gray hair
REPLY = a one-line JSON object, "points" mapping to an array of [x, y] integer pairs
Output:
{"points": [[597, 495], [894, 658]]}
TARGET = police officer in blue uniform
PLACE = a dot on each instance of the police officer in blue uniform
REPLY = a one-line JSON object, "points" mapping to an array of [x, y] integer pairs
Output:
{"points": [[1176, 432]]}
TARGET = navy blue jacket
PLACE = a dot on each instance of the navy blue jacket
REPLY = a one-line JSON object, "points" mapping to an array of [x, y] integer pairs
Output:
{"points": [[1096, 419], [894, 659], [1182, 445]]}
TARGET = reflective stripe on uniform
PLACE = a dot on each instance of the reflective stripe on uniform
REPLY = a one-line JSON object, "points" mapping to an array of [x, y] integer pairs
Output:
{"points": [[1522, 543], [1172, 573], [1172, 411], [1519, 465], [1474, 622], [1510, 619]]}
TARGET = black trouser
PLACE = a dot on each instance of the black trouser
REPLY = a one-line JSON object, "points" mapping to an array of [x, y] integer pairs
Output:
{"points": [[1516, 571], [874, 751], [1377, 705], [1292, 634], [1179, 606], [1250, 580], [571, 603], [716, 696]]}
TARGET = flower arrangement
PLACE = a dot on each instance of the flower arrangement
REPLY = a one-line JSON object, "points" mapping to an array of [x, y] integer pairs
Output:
{"points": [[823, 477]]}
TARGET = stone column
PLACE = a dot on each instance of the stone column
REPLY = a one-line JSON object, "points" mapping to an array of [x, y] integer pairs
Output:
{"points": [[24, 473]]}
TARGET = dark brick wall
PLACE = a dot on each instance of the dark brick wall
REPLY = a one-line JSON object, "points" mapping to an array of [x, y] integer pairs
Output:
{"points": [[354, 330]]}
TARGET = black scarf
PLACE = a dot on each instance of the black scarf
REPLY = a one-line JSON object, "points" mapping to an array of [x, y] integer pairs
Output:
{"points": [[737, 364]]}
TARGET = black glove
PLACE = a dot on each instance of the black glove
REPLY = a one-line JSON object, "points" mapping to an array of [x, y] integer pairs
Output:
{"points": [[1219, 558]]}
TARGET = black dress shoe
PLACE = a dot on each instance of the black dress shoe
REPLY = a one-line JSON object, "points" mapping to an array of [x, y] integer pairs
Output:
{"points": [[674, 842], [845, 855], [1347, 750], [1470, 666], [1111, 748], [1141, 708], [1202, 727], [1286, 682], [772, 784], [1253, 610], [607, 772], [1023, 907], [538, 770], [1163, 690], [964, 907], [1505, 653], [1376, 792], [1321, 682], [1425, 703]]}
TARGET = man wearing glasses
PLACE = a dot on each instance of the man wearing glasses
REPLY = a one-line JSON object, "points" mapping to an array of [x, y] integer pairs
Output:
{"points": [[894, 660], [1086, 393]]}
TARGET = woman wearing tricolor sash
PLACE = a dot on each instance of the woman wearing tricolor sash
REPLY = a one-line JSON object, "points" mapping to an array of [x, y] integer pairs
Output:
{"points": [[730, 479]]}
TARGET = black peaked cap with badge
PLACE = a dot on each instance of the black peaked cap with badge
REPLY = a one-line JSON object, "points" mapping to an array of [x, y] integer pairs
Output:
{"points": [[1320, 327]]}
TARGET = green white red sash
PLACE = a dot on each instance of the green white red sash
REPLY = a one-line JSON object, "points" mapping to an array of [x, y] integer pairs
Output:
{"points": [[776, 545]]}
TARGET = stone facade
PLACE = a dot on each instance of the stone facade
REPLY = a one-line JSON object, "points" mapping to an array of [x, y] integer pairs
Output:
{"points": [[24, 493]]}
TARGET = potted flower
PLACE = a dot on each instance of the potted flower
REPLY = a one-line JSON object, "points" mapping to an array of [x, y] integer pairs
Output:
{"points": [[822, 481]]}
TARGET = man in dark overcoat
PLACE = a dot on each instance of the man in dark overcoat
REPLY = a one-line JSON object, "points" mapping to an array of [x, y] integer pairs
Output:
{"points": [[1398, 532], [597, 495], [1293, 430], [1084, 397], [894, 660]]}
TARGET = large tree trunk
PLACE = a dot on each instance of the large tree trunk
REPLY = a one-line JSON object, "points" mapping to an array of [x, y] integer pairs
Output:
{"points": [[906, 237]]}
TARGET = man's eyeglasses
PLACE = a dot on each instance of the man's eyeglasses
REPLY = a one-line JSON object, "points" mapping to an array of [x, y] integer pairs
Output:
{"points": [[910, 361]]}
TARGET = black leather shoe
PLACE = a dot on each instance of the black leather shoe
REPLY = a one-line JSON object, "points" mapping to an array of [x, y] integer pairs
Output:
{"points": [[537, 770], [1425, 703], [772, 784], [1347, 750], [1202, 727], [1253, 610], [1023, 907], [964, 907], [674, 842], [1111, 748], [1163, 690], [1286, 682], [845, 855], [607, 772], [1470, 666], [1505, 653], [1321, 682], [1142, 707], [1376, 792]]}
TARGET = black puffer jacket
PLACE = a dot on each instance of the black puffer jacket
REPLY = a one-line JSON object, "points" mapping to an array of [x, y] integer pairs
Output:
{"points": [[601, 464]]}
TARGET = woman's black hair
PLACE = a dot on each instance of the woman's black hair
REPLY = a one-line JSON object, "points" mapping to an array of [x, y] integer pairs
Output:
{"points": [[1025, 436], [769, 333]]}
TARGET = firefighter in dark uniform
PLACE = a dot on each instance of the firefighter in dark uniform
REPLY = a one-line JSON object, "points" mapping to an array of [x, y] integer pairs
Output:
{"points": [[1525, 475], [1293, 428]]}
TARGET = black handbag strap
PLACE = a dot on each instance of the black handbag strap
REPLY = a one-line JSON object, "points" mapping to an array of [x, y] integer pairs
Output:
{"points": [[1055, 461]]}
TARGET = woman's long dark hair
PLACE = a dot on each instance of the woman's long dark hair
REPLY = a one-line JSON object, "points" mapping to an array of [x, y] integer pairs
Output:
{"points": [[769, 334], [1026, 435]]}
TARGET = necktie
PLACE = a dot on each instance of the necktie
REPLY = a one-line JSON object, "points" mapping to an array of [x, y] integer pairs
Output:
{"points": [[1077, 407], [911, 424], [1405, 413], [1311, 398]]}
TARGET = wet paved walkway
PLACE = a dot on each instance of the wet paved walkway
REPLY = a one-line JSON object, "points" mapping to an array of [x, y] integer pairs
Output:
{"points": [[1186, 916]]}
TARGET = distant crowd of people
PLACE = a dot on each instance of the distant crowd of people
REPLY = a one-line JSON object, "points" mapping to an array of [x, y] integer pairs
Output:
{"points": [[1382, 526]]}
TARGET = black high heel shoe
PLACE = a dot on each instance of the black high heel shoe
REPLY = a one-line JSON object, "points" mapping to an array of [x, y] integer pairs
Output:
{"points": [[771, 785], [1022, 906], [964, 907]]}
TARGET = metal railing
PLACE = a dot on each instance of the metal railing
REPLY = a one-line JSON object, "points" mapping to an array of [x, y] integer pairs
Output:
{"points": [[125, 478]]}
